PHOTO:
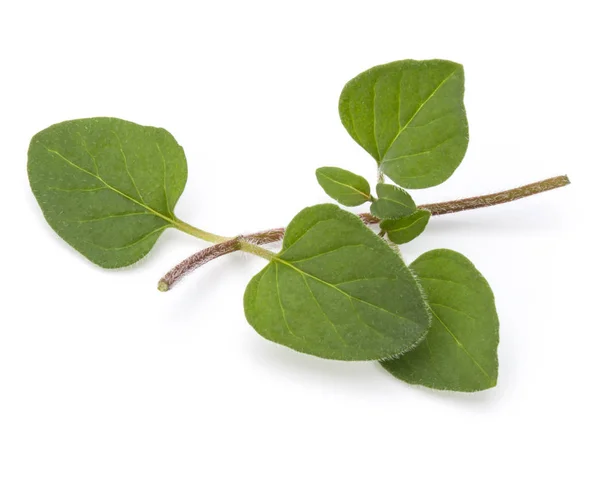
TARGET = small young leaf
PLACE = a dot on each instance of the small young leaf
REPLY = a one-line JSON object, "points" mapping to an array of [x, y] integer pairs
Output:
{"points": [[392, 203], [407, 228], [343, 186], [409, 115], [107, 186], [337, 291], [460, 350]]}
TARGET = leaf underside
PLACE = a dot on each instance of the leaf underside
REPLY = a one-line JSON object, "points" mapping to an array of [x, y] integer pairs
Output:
{"points": [[459, 352], [336, 291], [410, 116], [108, 187]]}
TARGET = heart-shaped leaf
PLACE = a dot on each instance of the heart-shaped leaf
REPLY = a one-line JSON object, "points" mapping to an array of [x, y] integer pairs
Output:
{"points": [[460, 350], [108, 187], [407, 228], [343, 186], [409, 115], [337, 291], [392, 202]]}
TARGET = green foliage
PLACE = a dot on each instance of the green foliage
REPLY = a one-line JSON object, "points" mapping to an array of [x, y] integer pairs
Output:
{"points": [[409, 116], [108, 187], [343, 186], [392, 203], [460, 350], [337, 291], [406, 228]]}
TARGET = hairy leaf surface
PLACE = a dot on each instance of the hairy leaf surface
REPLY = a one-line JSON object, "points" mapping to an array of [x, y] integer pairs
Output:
{"points": [[108, 187], [337, 291], [409, 115], [392, 203], [343, 186], [406, 228], [459, 352]]}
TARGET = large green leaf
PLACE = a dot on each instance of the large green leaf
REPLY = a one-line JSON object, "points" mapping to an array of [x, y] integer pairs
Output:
{"points": [[108, 187], [409, 115], [392, 203], [406, 228], [343, 186], [337, 291], [460, 350]]}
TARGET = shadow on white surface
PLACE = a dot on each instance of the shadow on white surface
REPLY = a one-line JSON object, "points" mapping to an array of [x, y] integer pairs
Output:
{"points": [[354, 377]]}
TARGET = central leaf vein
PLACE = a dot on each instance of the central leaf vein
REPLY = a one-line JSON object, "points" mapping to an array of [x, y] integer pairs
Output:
{"points": [[323, 312], [403, 128], [112, 188], [350, 297], [460, 344]]}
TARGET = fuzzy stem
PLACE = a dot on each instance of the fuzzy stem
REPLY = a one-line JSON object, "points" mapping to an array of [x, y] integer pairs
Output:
{"points": [[446, 207], [206, 255], [248, 243], [198, 259], [489, 200]]}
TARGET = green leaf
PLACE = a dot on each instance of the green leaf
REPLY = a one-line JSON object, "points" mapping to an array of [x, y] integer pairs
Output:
{"points": [[337, 291], [108, 187], [343, 186], [392, 203], [409, 115], [407, 228], [460, 350]]}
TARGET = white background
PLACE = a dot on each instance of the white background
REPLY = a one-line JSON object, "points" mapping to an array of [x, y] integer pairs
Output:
{"points": [[112, 390]]}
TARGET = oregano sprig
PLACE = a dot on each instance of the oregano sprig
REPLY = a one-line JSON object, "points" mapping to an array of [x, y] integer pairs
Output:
{"points": [[336, 289]]}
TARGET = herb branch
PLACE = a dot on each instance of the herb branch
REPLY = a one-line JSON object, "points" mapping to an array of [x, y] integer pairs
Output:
{"points": [[273, 235], [336, 289]]}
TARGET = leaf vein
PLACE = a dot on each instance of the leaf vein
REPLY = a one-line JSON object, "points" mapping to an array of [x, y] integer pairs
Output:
{"points": [[323, 312], [328, 252], [136, 242], [417, 112], [343, 292], [420, 153], [127, 167], [366, 196], [453, 309], [460, 344], [112, 216], [77, 190], [112, 188], [169, 210], [281, 305]]}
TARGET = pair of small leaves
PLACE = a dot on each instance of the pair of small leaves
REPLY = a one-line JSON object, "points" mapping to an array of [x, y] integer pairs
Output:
{"points": [[352, 190], [402, 220]]}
